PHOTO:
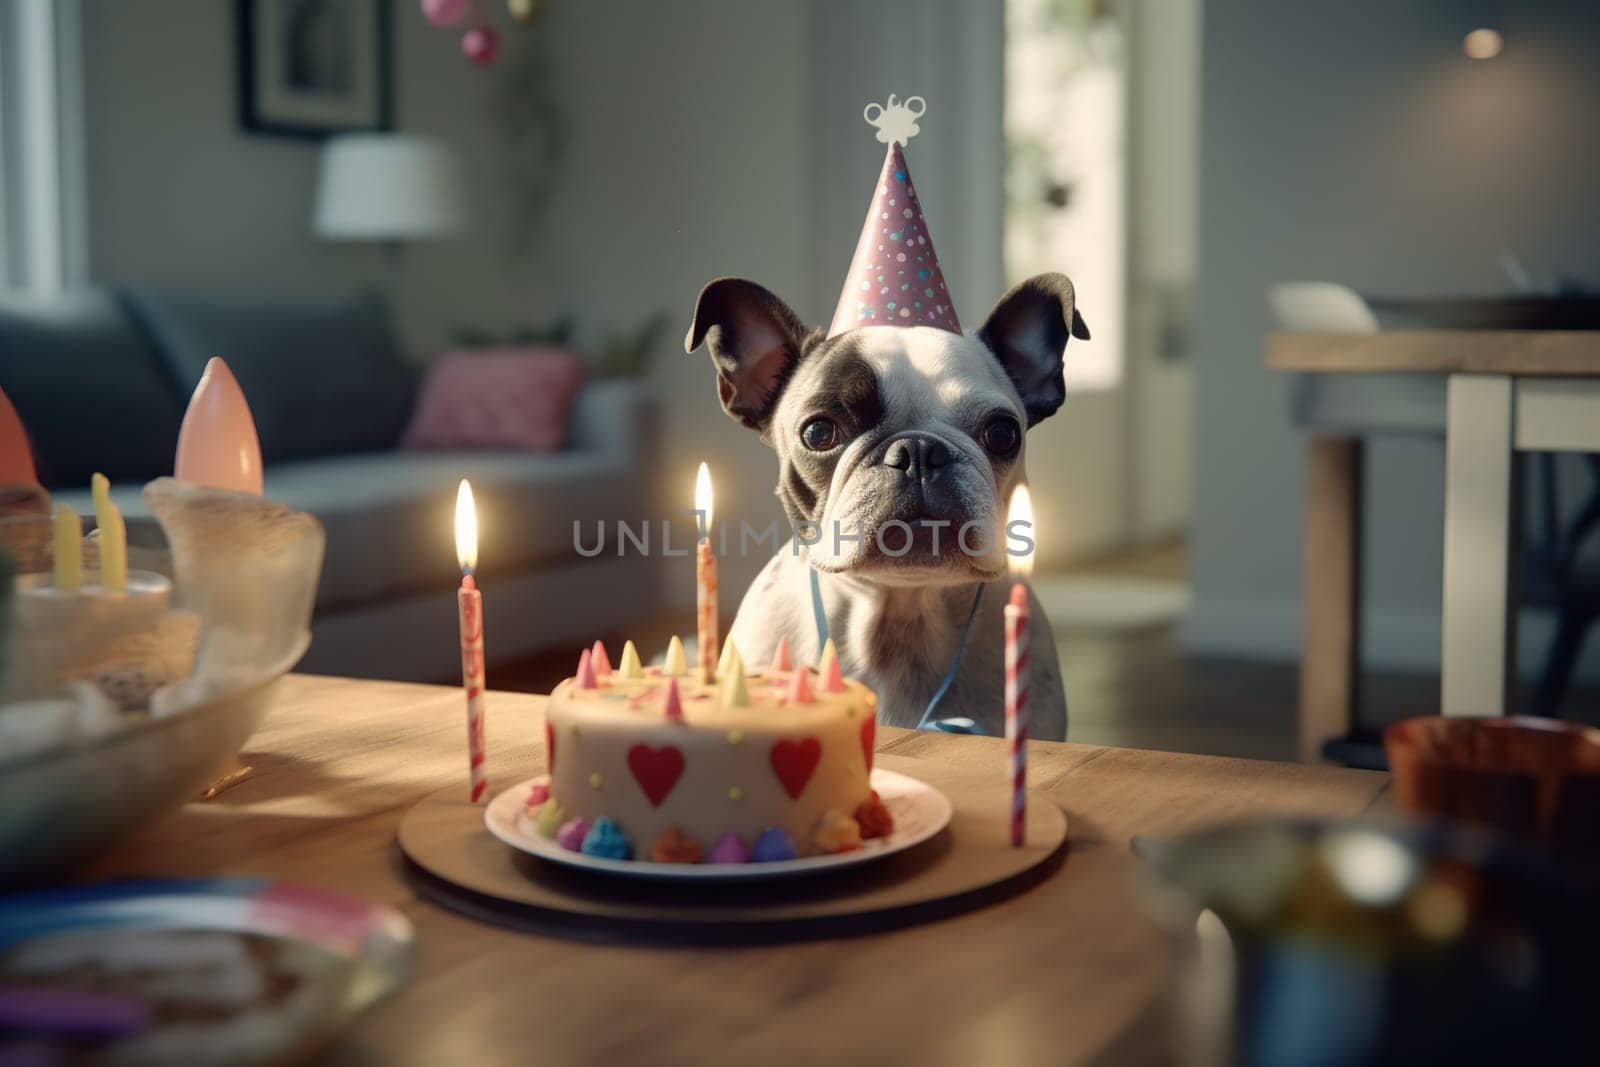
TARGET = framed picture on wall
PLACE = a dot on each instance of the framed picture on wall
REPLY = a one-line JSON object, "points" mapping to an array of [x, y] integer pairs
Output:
{"points": [[309, 68]]}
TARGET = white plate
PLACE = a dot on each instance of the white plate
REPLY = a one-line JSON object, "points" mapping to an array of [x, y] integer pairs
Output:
{"points": [[919, 811]]}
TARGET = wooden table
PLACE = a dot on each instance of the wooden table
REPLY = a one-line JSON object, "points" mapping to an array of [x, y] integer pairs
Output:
{"points": [[1068, 971], [1508, 392]]}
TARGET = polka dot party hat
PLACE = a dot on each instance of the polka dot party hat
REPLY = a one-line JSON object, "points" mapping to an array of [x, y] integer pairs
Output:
{"points": [[894, 279]]}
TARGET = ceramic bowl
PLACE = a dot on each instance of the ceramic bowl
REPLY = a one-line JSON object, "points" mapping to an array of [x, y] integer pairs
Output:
{"points": [[1537, 780]]}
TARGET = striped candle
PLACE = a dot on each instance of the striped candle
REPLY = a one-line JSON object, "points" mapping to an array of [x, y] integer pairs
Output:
{"points": [[1019, 517], [1016, 613]]}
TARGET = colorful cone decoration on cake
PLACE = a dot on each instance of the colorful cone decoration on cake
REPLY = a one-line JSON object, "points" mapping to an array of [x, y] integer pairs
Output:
{"points": [[217, 444], [734, 692], [781, 660], [677, 665], [16, 458], [672, 703], [585, 676], [894, 277], [600, 661], [630, 667], [729, 654], [832, 680], [800, 687]]}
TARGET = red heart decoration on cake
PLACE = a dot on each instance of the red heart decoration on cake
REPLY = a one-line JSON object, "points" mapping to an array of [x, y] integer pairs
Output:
{"points": [[656, 770], [869, 734], [793, 762], [549, 749]]}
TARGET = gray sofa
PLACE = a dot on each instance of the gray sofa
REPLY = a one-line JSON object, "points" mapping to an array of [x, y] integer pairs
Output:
{"points": [[101, 380]]}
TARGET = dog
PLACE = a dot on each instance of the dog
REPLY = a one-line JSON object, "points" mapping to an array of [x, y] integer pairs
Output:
{"points": [[897, 447]]}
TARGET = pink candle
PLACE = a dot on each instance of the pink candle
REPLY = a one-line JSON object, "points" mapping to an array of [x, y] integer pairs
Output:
{"points": [[470, 608], [1016, 617], [1016, 612], [705, 572]]}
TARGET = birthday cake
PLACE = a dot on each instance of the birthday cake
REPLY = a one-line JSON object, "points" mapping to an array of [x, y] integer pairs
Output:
{"points": [[656, 764]]}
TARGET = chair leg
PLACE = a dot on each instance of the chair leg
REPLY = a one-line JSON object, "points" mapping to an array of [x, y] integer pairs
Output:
{"points": [[1330, 665], [1559, 661]]}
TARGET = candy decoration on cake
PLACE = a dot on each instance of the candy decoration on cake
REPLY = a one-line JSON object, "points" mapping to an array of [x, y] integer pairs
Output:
{"points": [[730, 653], [585, 676], [894, 277], [705, 579], [217, 444], [571, 833], [606, 840], [1016, 620], [674, 846], [794, 762], [537, 794], [873, 817], [470, 609], [836, 832], [672, 703], [630, 667], [735, 693], [773, 846], [729, 849], [599, 660], [675, 666], [832, 680], [16, 458], [800, 688], [549, 817], [781, 660]]}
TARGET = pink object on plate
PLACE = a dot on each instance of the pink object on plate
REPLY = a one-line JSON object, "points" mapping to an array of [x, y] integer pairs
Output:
{"points": [[16, 459], [497, 398], [217, 445]]}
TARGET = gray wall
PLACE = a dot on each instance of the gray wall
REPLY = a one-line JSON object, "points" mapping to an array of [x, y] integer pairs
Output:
{"points": [[1354, 142], [705, 137]]}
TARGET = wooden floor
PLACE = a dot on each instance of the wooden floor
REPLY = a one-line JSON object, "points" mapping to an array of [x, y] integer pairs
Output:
{"points": [[1139, 689]]}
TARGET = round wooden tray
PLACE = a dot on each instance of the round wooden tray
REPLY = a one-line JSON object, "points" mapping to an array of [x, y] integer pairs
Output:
{"points": [[454, 861]]}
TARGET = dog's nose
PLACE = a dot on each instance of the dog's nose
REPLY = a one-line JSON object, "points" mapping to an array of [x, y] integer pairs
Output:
{"points": [[917, 455]]}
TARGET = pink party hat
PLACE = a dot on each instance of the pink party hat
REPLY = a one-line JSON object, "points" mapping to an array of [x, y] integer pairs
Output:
{"points": [[894, 279], [16, 459], [672, 704], [217, 444], [601, 661], [780, 657], [586, 671], [800, 687]]}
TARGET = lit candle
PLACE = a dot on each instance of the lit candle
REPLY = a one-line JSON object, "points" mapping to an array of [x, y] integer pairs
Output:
{"points": [[705, 580], [68, 570], [1016, 614], [113, 537], [470, 604]]}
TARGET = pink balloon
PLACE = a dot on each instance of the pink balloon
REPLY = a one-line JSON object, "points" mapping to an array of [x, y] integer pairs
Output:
{"points": [[481, 44], [217, 445], [443, 13]]}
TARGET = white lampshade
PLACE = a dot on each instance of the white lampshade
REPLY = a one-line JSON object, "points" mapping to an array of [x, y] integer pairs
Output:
{"points": [[388, 187]]}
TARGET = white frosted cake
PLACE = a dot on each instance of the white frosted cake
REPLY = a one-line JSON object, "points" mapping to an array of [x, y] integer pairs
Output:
{"points": [[656, 766]]}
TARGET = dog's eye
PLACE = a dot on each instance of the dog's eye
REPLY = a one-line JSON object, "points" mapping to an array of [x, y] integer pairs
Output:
{"points": [[819, 435], [1002, 436]]}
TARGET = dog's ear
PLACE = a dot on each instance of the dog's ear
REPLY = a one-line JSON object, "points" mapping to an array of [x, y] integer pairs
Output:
{"points": [[1027, 331], [754, 340]]}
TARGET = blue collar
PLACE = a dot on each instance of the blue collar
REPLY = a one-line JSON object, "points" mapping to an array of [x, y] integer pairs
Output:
{"points": [[959, 724]]}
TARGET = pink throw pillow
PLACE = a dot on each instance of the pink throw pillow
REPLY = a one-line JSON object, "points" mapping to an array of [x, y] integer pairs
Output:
{"points": [[497, 398]]}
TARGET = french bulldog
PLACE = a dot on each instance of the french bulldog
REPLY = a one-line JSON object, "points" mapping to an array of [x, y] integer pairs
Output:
{"points": [[898, 448]]}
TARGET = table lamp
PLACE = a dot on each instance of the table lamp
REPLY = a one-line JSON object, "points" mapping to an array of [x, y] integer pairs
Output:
{"points": [[389, 188]]}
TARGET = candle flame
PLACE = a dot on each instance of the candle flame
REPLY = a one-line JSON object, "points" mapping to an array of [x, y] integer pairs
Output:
{"points": [[702, 499], [466, 529], [1020, 563]]}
